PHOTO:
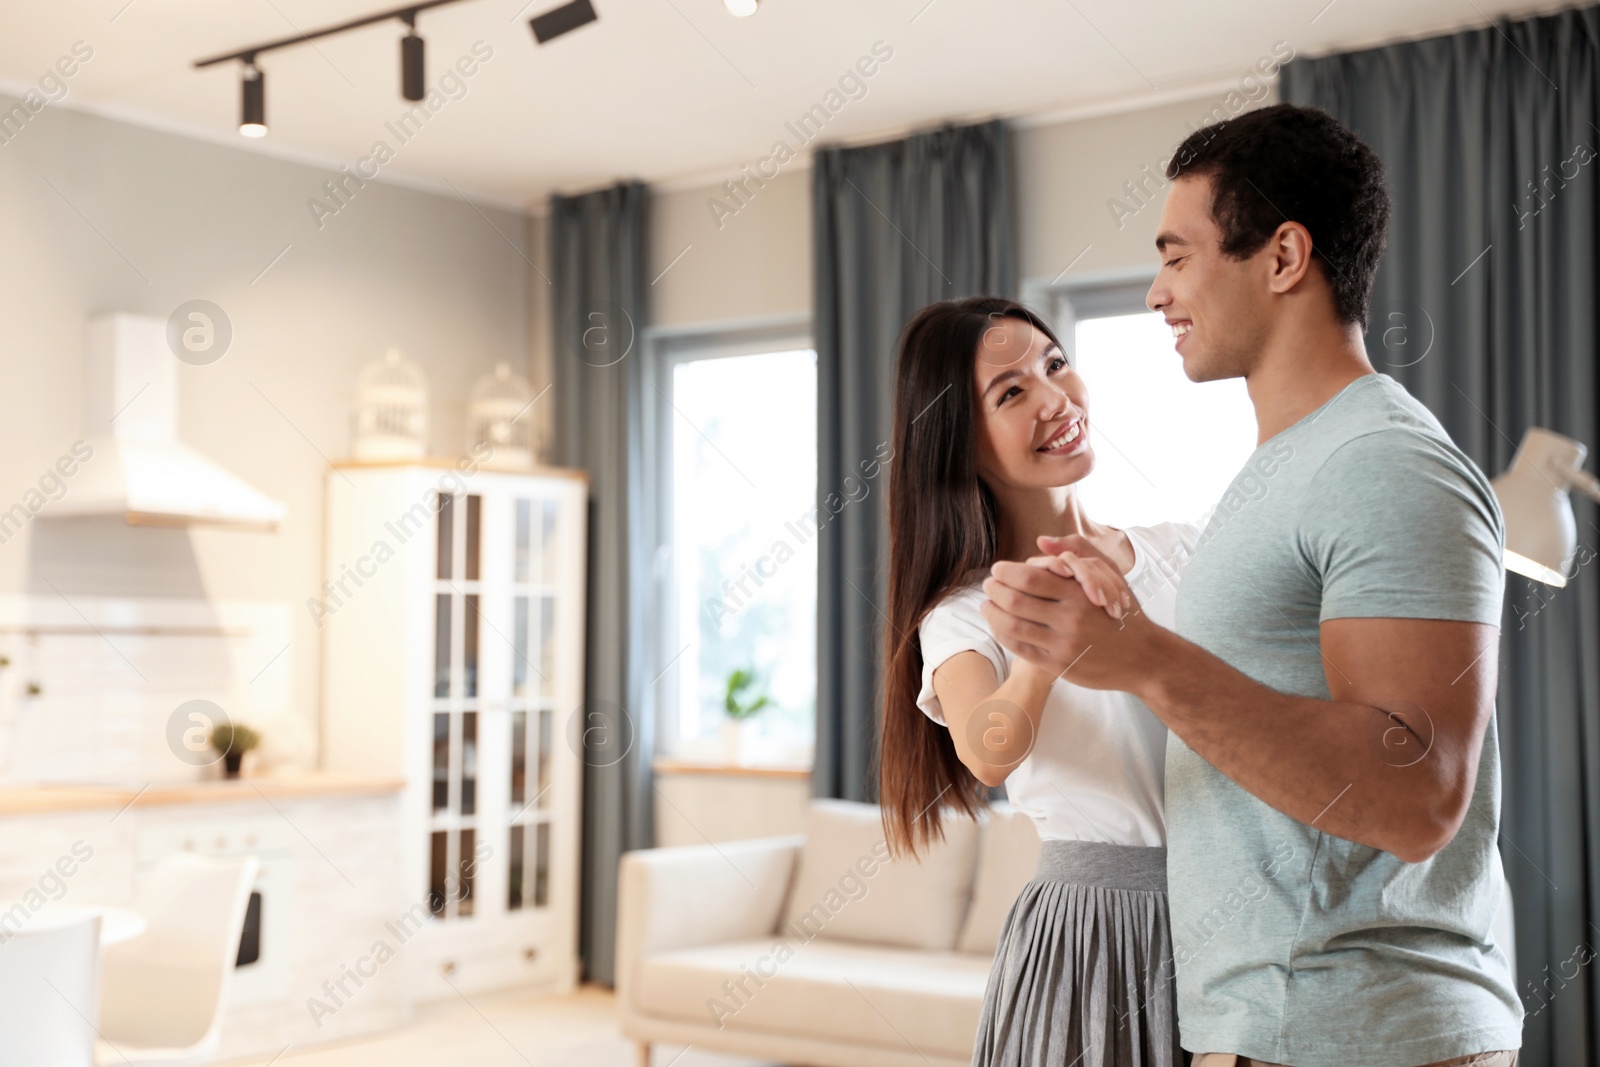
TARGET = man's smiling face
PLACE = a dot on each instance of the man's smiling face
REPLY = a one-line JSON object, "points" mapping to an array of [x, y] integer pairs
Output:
{"points": [[1218, 306]]}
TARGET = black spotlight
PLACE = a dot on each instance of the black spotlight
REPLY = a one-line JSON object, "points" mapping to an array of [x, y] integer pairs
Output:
{"points": [[253, 101], [564, 19], [411, 48]]}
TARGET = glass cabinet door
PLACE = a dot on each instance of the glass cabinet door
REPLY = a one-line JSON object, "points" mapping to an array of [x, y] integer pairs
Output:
{"points": [[494, 582], [455, 802], [535, 559]]}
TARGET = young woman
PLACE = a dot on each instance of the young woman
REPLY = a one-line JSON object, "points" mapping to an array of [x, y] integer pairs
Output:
{"points": [[991, 433]]}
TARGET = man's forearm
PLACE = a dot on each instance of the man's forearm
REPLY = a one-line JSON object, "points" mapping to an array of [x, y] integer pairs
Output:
{"points": [[1318, 761]]}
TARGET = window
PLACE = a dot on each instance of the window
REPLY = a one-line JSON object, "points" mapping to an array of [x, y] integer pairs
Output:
{"points": [[735, 429], [1165, 448]]}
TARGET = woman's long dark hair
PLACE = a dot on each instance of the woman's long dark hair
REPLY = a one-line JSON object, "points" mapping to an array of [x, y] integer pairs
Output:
{"points": [[943, 532]]}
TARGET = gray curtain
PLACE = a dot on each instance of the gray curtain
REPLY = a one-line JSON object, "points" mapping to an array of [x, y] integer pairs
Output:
{"points": [[598, 246], [1486, 310], [896, 226]]}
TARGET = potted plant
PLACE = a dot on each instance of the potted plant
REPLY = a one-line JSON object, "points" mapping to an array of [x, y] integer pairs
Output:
{"points": [[233, 740], [740, 711]]}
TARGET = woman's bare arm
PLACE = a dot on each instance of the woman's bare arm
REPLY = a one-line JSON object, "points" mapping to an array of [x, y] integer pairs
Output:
{"points": [[992, 723]]}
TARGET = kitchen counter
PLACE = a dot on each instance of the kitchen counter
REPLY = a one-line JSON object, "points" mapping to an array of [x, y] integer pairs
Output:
{"points": [[330, 850], [36, 799], [668, 765]]}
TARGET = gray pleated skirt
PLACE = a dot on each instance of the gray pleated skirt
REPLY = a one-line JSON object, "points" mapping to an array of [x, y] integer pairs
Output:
{"points": [[1083, 974]]}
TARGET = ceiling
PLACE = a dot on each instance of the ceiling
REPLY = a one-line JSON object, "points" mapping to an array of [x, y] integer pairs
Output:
{"points": [[666, 90]]}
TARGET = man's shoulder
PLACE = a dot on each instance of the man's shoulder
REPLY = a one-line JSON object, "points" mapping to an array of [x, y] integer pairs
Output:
{"points": [[1382, 430], [1395, 479], [1370, 403]]}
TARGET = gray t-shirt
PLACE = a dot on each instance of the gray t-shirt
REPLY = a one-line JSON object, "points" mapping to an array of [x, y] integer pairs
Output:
{"points": [[1292, 945]]}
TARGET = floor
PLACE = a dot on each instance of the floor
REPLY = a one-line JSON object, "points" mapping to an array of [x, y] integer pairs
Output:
{"points": [[511, 1030]]}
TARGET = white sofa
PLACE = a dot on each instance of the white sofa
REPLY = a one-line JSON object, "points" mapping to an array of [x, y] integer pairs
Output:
{"points": [[807, 950], [812, 949]]}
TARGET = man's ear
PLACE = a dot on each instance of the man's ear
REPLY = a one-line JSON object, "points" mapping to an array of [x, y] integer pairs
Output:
{"points": [[1291, 256]]}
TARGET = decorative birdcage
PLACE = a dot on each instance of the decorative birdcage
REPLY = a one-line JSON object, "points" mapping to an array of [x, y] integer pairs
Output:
{"points": [[391, 419], [498, 416]]}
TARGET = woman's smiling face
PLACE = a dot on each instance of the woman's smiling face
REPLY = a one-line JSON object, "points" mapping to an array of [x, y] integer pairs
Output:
{"points": [[1033, 425]]}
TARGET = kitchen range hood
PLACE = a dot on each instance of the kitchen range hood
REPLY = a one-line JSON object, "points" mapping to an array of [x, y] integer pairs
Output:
{"points": [[140, 470]]}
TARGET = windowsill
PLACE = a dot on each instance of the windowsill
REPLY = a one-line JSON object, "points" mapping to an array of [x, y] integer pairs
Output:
{"points": [[673, 765]]}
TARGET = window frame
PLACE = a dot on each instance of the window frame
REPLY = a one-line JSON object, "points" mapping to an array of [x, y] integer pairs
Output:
{"points": [[1108, 296], [664, 348], [1104, 295]]}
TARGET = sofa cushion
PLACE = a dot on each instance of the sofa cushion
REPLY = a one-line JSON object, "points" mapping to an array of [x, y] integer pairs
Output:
{"points": [[1008, 851], [847, 889], [871, 995]]}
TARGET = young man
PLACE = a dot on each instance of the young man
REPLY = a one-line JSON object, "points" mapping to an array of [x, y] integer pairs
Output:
{"points": [[1333, 775]]}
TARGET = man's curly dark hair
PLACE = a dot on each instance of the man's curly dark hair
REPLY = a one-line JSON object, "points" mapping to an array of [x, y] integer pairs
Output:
{"points": [[1289, 163]]}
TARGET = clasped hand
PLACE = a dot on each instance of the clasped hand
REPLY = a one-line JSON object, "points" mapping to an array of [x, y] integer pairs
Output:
{"points": [[1068, 612]]}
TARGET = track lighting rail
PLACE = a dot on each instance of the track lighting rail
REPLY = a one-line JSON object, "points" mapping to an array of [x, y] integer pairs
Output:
{"points": [[406, 14]]}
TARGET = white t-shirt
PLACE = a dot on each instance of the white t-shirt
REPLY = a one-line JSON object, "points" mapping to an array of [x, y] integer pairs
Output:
{"points": [[1095, 772]]}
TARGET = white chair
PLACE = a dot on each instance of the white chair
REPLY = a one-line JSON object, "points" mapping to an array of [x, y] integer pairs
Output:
{"points": [[164, 991], [48, 981]]}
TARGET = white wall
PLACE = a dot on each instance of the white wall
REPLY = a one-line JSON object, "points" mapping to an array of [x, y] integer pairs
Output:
{"points": [[758, 263], [537, 247], [1068, 172], [105, 216]]}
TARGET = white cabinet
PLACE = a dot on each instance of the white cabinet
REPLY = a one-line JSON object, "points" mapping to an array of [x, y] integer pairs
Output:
{"points": [[452, 621]]}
